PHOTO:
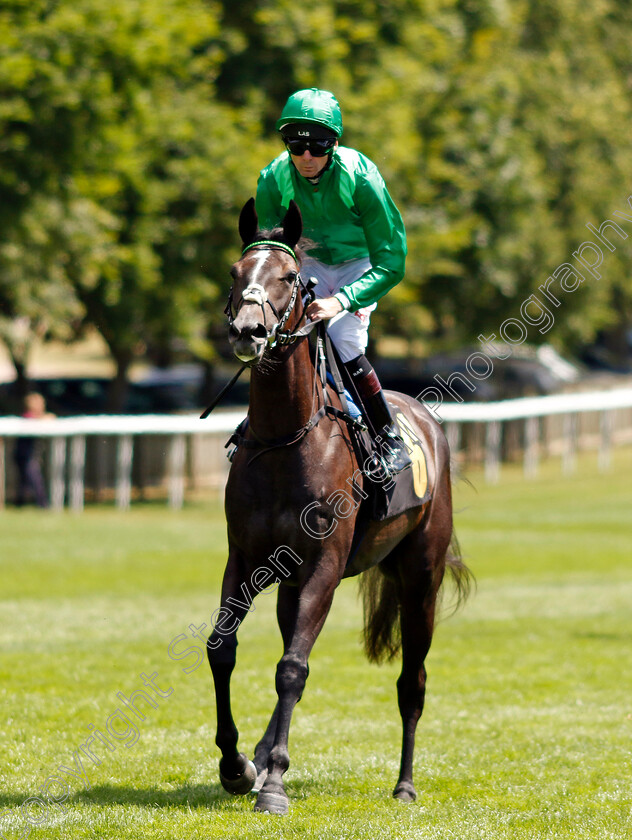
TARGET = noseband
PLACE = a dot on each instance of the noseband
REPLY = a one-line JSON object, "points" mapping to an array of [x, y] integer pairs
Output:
{"points": [[255, 293]]}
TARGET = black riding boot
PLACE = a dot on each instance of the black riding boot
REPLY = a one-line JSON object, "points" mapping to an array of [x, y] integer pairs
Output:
{"points": [[388, 443]]}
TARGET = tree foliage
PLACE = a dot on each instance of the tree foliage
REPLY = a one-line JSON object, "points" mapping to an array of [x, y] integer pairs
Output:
{"points": [[502, 128], [112, 126], [132, 132]]}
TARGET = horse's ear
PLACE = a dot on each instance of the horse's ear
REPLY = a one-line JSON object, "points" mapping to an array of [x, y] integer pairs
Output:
{"points": [[292, 224], [248, 222]]}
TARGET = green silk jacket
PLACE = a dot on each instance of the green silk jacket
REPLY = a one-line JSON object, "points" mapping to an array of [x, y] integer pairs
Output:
{"points": [[349, 214]]}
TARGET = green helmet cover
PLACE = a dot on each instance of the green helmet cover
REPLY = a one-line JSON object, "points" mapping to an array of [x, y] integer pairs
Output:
{"points": [[312, 106]]}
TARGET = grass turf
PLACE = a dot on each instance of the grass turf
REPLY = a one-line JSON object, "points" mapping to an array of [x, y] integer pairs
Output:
{"points": [[528, 720]]}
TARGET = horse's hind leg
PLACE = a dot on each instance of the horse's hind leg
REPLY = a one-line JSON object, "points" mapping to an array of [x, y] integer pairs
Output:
{"points": [[420, 573]]}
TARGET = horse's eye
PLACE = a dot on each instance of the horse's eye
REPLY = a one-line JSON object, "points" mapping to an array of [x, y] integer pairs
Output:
{"points": [[290, 276]]}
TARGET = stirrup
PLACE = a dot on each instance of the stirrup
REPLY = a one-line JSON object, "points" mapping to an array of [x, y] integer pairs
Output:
{"points": [[394, 453]]}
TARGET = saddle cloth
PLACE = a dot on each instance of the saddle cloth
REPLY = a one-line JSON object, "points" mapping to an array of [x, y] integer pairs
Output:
{"points": [[409, 488], [389, 496]]}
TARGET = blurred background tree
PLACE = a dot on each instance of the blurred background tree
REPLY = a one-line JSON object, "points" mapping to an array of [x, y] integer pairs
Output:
{"points": [[131, 133], [111, 122]]}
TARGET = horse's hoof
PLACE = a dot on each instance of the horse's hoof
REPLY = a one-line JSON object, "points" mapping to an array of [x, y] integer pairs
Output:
{"points": [[260, 780], [272, 803], [405, 792], [242, 783]]}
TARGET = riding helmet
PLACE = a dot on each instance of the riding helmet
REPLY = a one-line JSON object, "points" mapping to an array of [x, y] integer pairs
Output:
{"points": [[318, 107]]}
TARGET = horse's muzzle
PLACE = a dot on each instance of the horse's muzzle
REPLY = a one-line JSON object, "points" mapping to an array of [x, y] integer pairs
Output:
{"points": [[248, 342]]}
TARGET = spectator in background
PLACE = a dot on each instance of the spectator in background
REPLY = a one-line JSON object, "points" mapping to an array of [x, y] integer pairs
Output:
{"points": [[27, 456]]}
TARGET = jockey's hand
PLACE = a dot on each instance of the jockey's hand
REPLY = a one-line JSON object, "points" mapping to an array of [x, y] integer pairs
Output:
{"points": [[323, 309]]}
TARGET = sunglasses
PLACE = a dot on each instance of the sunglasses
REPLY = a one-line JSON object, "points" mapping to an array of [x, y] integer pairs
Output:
{"points": [[317, 148]]}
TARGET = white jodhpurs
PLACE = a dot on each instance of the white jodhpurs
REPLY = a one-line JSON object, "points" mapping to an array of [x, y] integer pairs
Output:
{"points": [[348, 331]]}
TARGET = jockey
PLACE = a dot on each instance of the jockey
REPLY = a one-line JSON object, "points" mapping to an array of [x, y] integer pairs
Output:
{"points": [[360, 241]]}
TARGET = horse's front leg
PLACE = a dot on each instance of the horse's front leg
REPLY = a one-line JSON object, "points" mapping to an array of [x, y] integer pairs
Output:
{"points": [[287, 606], [237, 774], [314, 601]]}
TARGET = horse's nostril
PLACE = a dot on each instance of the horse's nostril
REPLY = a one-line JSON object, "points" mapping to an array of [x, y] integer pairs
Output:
{"points": [[260, 331]]}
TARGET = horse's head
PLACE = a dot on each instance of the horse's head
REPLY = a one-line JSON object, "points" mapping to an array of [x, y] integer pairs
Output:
{"points": [[265, 283]]}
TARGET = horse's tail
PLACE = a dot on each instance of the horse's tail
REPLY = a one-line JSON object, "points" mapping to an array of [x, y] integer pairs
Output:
{"points": [[382, 635], [462, 577], [382, 631]]}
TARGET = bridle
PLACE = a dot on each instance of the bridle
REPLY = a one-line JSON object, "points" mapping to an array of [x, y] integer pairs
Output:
{"points": [[255, 293]]}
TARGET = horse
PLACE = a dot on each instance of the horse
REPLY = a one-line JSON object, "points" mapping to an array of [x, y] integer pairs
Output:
{"points": [[293, 506]]}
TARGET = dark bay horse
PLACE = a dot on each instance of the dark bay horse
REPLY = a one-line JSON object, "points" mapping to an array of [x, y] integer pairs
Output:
{"points": [[292, 509]]}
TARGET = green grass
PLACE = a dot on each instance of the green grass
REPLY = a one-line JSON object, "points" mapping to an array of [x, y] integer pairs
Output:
{"points": [[527, 730]]}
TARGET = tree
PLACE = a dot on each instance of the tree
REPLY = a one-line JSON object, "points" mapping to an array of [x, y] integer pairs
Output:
{"points": [[50, 243], [125, 93], [501, 130], [132, 134]]}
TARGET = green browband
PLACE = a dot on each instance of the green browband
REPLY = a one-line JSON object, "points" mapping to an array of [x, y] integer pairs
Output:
{"points": [[273, 244]]}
